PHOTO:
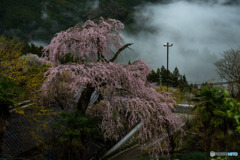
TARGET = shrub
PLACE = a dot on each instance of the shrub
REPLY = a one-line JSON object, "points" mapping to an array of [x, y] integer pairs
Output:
{"points": [[9, 93]]}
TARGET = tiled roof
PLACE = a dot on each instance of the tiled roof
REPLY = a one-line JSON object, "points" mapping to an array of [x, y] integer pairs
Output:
{"points": [[18, 137]]}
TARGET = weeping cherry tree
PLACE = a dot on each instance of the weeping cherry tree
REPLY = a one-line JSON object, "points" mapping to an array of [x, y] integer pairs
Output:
{"points": [[84, 56]]}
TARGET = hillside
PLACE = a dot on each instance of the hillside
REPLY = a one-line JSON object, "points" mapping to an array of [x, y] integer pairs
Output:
{"points": [[39, 20]]}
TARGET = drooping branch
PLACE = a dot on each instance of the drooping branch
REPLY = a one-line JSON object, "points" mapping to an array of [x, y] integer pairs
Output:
{"points": [[125, 97], [119, 51], [89, 40]]}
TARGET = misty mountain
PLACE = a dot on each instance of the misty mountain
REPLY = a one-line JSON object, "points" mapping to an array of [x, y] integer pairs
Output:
{"points": [[39, 20]]}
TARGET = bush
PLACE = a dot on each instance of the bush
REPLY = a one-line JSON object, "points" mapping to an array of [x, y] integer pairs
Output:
{"points": [[213, 125], [77, 131], [25, 70], [176, 93], [9, 93]]}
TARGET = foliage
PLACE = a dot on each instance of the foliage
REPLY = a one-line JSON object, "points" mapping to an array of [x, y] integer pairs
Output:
{"points": [[175, 77], [126, 96], [214, 126], [9, 92], [221, 158], [35, 78], [11, 65], [20, 78], [189, 156], [32, 60], [77, 130], [154, 77], [22, 74], [176, 93], [234, 112], [27, 71], [193, 88], [27, 48]]}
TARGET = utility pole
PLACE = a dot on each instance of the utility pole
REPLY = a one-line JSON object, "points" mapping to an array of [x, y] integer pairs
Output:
{"points": [[167, 45]]}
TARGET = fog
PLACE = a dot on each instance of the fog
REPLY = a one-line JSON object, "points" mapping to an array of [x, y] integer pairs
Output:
{"points": [[199, 32]]}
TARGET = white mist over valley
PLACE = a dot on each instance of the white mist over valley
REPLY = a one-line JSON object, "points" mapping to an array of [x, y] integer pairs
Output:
{"points": [[200, 33]]}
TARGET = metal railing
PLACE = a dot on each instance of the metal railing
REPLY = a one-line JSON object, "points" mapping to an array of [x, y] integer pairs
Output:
{"points": [[23, 104]]}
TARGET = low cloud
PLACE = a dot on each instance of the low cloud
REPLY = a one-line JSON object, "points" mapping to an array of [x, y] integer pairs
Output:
{"points": [[199, 31]]}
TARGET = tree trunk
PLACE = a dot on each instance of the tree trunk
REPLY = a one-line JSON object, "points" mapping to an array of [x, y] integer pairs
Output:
{"points": [[84, 99], [100, 52], [171, 139]]}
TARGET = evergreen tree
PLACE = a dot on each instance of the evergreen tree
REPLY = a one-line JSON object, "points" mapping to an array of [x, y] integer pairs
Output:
{"points": [[185, 80], [176, 76], [31, 48], [175, 79], [158, 76], [212, 119], [163, 75], [181, 86], [153, 77]]}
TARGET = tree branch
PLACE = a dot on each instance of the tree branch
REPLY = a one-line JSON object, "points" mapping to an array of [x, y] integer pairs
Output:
{"points": [[102, 58], [119, 51]]}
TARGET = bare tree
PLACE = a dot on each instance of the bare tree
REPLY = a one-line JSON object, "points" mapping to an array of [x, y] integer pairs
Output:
{"points": [[228, 68]]}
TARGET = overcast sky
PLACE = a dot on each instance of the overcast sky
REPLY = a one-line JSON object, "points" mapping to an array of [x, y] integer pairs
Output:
{"points": [[200, 32]]}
